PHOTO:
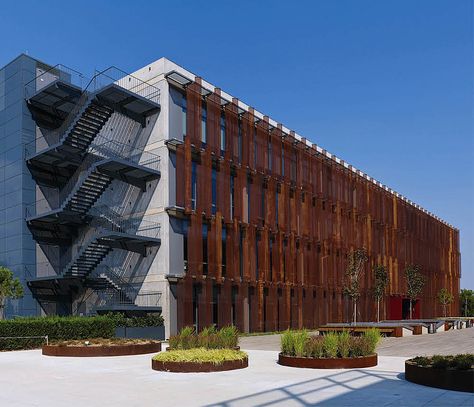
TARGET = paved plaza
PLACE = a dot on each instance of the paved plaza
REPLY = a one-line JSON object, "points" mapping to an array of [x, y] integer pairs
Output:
{"points": [[29, 379]]}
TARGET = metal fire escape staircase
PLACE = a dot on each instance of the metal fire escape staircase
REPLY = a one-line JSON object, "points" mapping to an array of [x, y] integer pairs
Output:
{"points": [[67, 158]]}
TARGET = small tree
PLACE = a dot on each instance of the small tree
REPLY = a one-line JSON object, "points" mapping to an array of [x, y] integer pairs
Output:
{"points": [[355, 268], [466, 299], [445, 298], [10, 287], [380, 284], [415, 283]]}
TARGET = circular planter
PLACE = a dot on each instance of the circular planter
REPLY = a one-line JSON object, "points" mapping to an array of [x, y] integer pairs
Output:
{"points": [[328, 363], [194, 367], [90, 351], [449, 379]]}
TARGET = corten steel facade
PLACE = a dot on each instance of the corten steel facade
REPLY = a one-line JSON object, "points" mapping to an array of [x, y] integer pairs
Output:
{"points": [[280, 217], [158, 192]]}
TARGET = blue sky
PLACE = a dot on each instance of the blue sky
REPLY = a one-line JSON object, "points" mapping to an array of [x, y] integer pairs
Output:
{"points": [[385, 85]]}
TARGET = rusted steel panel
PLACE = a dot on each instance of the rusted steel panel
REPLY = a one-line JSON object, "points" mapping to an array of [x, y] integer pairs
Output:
{"points": [[310, 210]]}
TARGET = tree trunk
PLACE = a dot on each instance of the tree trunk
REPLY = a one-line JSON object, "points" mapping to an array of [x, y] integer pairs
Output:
{"points": [[411, 316], [355, 311], [444, 310], [378, 310]]}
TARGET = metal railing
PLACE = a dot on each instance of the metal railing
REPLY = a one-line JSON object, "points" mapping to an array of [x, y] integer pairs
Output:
{"points": [[110, 76], [56, 72], [109, 149], [112, 297], [104, 222]]}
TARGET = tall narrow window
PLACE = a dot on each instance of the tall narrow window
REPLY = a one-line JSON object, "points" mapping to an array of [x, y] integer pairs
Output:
{"points": [[276, 207], [241, 254], [204, 123], [214, 191], [215, 304], [193, 185], [204, 249], [232, 198], [270, 245], [269, 154], [224, 252], [240, 140], [185, 250], [257, 260], [223, 141], [255, 147], [282, 161], [285, 245], [249, 193], [184, 109]]}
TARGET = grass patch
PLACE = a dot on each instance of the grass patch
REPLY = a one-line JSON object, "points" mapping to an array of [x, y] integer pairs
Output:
{"points": [[201, 355]]}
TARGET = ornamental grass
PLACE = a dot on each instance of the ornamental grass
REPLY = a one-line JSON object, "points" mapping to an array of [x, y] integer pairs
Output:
{"points": [[331, 345], [201, 355], [209, 338]]}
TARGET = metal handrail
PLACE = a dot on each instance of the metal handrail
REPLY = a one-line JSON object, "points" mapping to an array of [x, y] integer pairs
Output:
{"points": [[105, 222], [106, 149], [109, 76]]}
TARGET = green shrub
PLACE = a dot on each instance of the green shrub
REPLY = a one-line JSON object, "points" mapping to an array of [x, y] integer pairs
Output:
{"points": [[288, 343], [315, 347], [330, 344], [56, 328], [458, 362], [421, 361], [372, 336], [229, 336], [208, 338], [344, 344], [440, 362], [300, 340], [463, 362], [360, 346]]}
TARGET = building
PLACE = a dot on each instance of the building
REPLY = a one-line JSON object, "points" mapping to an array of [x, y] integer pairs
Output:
{"points": [[157, 192]]}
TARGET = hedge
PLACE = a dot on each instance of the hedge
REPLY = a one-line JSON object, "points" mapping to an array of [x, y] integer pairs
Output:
{"points": [[65, 328]]}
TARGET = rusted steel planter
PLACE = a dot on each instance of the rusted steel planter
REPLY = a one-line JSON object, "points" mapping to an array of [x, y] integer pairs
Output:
{"points": [[449, 379], [193, 367], [91, 351], [328, 363]]}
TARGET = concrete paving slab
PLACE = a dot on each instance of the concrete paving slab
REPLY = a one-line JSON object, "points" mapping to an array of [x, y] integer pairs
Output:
{"points": [[29, 379]]}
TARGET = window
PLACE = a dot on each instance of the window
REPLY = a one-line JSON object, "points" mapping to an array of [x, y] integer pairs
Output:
{"points": [[193, 185], [276, 207], [214, 191], [249, 186], [204, 249], [184, 109], [204, 123], [285, 245], [241, 254], [270, 245], [262, 203], [255, 146], [257, 265], [224, 252], [185, 250], [232, 199], [240, 140], [222, 133], [282, 161], [269, 155]]}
